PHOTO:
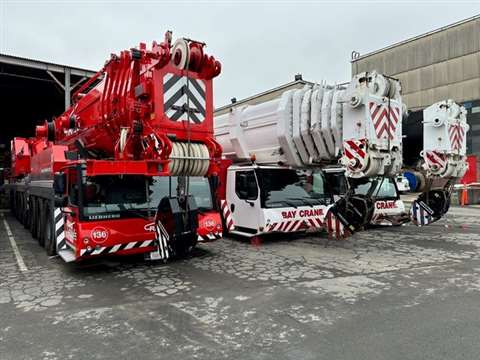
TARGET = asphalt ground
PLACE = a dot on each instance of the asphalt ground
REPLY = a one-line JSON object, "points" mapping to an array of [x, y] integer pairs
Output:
{"points": [[387, 293]]}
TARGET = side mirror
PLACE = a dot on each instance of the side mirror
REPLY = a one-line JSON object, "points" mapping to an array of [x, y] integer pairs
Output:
{"points": [[214, 181], [59, 183]]}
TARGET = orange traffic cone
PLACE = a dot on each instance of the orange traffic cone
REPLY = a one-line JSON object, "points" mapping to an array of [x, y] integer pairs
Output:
{"points": [[464, 198]]}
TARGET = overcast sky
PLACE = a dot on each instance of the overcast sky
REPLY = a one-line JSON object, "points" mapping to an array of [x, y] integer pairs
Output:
{"points": [[260, 44]]}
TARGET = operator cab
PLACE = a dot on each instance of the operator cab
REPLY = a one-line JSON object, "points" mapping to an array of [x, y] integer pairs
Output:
{"points": [[262, 199], [107, 210]]}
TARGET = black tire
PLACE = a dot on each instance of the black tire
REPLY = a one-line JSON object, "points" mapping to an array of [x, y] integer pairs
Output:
{"points": [[16, 202], [32, 215], [40, 224], [183, 247], [26, 218], [50, 245], [28, 213], [12, 202], [20, 208], [33, 228]]}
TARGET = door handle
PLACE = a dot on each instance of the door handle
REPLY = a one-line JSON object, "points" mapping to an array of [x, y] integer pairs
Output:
{"points": [[232, 207]]}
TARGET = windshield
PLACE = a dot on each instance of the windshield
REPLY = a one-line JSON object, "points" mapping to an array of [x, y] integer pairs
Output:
{"points": [[287, 187], [107, 194], [199, 187], [378, 188], [337, 182], [129, 193]]}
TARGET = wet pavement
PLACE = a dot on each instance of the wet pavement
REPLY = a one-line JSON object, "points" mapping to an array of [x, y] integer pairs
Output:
{"points": [[387, 293]]}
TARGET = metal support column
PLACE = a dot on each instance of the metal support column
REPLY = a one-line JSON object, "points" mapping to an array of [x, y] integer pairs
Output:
{"points": [[67, 87]]}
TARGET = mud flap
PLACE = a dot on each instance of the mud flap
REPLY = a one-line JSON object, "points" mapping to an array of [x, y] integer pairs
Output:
{"points": [[430, 207], [348, 215], [162, 240]]}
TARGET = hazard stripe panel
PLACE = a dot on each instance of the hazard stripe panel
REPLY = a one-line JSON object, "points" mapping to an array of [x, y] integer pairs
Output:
{"points": [[59, 221], [162, 238], [456, 134], [184, 98], [354, 150], [421, 214], [435, 159], [335, 227], [209, 237], [385, 119], [115, 248], [295, 225], [227, 215]]}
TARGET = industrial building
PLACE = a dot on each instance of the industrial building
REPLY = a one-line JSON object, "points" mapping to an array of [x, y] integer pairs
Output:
{"points": [[33, 91]]}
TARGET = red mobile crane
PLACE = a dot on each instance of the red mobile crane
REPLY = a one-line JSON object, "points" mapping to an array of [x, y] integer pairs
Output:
{"points": [[113, 174]]}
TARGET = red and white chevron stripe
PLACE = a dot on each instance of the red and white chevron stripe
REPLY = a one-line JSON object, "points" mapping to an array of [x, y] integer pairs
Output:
{"points": [[227, 215], [456, 134], [334, 226], [385, 119], [295, 225], [355, 150], [435, 159]]}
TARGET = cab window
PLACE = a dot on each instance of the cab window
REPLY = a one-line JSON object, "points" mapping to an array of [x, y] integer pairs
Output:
{"points": [[378, 188], [73, 189], [246, 185]]}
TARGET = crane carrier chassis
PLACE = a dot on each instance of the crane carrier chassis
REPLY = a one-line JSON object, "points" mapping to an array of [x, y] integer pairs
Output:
{"points": [[114, 173]]}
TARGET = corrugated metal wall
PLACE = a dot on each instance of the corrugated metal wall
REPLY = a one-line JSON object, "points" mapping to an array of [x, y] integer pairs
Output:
{"points": [[440, 65]]}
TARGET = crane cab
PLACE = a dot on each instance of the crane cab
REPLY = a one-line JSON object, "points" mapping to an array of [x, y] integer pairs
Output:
{"points": [[262, 199]]}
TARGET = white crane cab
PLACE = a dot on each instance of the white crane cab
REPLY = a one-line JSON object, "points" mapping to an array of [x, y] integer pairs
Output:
{"points": [[262, 199]]}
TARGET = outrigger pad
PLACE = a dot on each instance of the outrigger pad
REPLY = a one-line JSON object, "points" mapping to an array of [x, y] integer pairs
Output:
{"points": [[354, 212], [179, 219], [430, 207]]}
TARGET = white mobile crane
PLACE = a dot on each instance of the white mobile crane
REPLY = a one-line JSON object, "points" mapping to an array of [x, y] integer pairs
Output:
{"points": [[274, 153]]}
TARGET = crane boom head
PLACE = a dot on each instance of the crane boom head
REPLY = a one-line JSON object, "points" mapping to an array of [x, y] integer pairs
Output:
{"points": [[445, 140], [146, 104], [372, 126], [444, 160]]}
